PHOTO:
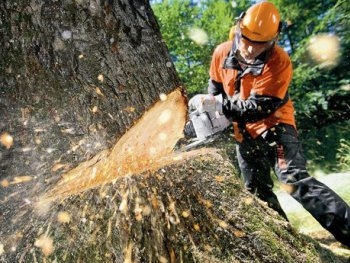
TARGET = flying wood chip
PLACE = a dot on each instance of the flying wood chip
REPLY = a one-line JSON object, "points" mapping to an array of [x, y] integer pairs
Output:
{"points": [[21, 179], [6, 139], [148, 145], [220, 178], [5, 183], [239, 233], [46, 244]]}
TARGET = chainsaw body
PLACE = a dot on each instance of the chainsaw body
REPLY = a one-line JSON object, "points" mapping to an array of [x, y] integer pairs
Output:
{"points": [[206, 117]]}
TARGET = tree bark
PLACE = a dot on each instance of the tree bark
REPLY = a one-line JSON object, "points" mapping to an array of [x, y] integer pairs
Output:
{"points": [[87, 172], [75, 74]]}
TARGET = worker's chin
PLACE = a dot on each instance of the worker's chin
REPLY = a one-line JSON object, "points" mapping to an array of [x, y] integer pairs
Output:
{"points": [[248, 59]]}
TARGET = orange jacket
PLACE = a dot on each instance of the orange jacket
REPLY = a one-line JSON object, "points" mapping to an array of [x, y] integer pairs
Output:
{"points": [[273, 81]]}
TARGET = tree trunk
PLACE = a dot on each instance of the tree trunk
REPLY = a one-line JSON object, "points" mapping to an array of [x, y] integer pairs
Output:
{"points": [[75, 74], [87, 170]]}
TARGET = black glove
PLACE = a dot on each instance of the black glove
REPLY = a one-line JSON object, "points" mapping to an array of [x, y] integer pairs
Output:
{"points": [[254, 108], [233, 108]]}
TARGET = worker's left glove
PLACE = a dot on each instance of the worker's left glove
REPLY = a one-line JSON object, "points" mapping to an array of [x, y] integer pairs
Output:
{"points": [[233, 108]]}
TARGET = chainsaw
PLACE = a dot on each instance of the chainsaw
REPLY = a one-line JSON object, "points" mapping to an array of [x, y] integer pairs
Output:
{"points": [[205, 119]]}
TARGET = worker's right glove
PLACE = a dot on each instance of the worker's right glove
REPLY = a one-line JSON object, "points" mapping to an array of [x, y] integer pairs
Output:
{"points": [[205, 103]]}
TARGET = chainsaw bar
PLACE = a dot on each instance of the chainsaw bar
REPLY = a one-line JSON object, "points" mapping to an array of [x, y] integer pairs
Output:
{"points": [[195, 143]]}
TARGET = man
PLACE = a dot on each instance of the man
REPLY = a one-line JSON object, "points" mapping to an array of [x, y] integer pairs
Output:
{"points": [[253, 74]]}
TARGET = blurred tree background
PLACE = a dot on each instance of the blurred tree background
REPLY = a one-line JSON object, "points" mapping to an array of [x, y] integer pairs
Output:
{"points": [[316, 34]]}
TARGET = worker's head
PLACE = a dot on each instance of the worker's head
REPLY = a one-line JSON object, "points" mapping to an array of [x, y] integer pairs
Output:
{"points": [[257, 31]]}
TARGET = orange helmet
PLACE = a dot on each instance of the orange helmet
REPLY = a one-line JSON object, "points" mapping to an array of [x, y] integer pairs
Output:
{"points": [[261, 22]]}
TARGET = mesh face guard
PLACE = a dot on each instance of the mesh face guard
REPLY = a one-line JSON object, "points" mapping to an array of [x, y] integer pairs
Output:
{"points": [[249, 52]]}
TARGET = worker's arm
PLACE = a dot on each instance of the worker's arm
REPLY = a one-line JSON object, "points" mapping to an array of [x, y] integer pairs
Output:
{"points": [[215, 88], [255, 108]]}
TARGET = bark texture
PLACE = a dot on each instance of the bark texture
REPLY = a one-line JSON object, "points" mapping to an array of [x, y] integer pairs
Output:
{"points": [[76, 77]]}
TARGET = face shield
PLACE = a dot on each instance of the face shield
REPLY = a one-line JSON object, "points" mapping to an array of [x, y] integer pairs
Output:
{"points": [[249, 52]]}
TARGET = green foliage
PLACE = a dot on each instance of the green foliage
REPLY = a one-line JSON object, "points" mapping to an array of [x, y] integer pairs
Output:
{"points": [[313, 84], [326, 149], [343, 154]]}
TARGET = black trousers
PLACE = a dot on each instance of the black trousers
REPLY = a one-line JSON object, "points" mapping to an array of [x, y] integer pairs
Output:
{"points": [[280, 149]]}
